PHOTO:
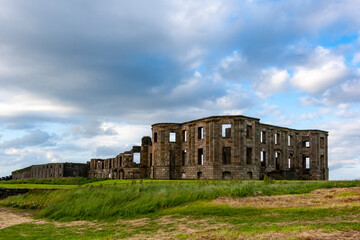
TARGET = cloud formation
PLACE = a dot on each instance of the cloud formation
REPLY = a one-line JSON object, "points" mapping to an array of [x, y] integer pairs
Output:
{"points": [[81, 78]]}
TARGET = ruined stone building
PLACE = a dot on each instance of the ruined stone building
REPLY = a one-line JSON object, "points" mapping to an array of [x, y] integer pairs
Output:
{"points": [[221, 147], [52, 170]]}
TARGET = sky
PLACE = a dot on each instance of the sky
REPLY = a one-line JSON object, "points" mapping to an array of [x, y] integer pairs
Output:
{"points": [[82, 79]]}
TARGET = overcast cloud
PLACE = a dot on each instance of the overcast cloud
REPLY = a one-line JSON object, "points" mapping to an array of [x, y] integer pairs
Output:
{"points": [[82, 79]]}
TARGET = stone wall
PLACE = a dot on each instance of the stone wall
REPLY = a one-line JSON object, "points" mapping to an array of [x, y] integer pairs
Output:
{"points": [[238, 147], [52, 170]]}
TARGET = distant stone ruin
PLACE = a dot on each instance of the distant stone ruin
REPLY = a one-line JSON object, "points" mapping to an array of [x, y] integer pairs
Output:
{"points": [[222, 147], [219, 147]]}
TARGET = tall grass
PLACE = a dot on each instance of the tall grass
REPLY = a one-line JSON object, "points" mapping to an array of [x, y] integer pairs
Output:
{"points": [[112, 202]]}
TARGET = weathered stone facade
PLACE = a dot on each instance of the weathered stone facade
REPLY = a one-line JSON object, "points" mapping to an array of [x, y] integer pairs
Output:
{"points": [[219, 147], [222, 147], [52, 170], [123, 166]]}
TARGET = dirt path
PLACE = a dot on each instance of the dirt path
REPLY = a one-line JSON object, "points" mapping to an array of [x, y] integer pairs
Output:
{"points": [[10, 217]]}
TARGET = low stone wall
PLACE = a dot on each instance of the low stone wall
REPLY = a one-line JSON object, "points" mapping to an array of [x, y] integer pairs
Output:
{"points": [[7, 192]]}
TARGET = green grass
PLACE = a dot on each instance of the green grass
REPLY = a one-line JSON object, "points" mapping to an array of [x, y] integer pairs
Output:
{"points": [[54, 181], [38, 186], [109, 203], [347, 194]]}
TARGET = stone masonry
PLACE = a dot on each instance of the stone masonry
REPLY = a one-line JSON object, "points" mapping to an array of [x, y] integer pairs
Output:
{"points": [[222, 147], [52, 170]]}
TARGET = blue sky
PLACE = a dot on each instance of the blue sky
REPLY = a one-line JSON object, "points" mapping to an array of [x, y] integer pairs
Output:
{"points": [[83, 79]]}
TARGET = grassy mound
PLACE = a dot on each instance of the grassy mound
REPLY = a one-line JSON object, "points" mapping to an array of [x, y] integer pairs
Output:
{"points": [[106, 203]]}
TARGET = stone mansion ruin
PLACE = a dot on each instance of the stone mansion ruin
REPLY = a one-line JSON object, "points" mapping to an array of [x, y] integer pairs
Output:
{"points": [[219, 147]]}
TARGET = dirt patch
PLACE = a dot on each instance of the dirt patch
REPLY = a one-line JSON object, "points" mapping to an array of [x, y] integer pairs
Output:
{"points": [[304, 235], [321, 198], [10, 217]]}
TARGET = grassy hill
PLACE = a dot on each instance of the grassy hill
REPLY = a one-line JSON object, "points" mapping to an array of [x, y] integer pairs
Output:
{"points": [[214, 202]]}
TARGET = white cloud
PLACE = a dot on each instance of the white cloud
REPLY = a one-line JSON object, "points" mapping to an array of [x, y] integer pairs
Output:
{"points": [[271, 81], [322, 70], [343, 139], [19, 102]]}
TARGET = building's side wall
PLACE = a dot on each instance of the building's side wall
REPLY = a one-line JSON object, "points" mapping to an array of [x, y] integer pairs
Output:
{"points": [[24, 173], [75, 170]]}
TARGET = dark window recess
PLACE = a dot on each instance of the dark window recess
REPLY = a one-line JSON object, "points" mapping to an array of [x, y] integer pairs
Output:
{"points": [[263, 158], [305, 162], [200, 133], [277, 160], [226, 130], [277, 138], [183, 157], [226, 175], [249, 155], [150, 159], [155, 137], [290, 140], [226, 155], [322, 162], [322, 142], [184, 135], [200, 156], [199, 175], [249, 175], [249, 131], [290, 160], [120, 161], [263, 137]]}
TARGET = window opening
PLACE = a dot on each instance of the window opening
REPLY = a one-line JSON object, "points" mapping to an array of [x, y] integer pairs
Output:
{"points": [[263, 137], [277, 160], [263, 158], [136, 157], [290, 140], [155, 136], [307, 159], [277, 138], [322, 142], [200, 133], [184, 135], [248, 155], [200, 156], [226, 175], [226, 155], [226, 130], [183, 158], [172, 137], [248, 131]]}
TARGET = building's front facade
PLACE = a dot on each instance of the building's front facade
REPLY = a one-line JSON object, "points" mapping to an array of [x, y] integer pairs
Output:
{"points": [[239, 147], [219, 147]]}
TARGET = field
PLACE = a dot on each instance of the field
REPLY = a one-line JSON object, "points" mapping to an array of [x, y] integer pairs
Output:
{"points": [[149, 209]]}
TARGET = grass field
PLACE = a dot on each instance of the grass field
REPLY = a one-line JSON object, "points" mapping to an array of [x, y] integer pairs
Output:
{"points": [[114, 209]]}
